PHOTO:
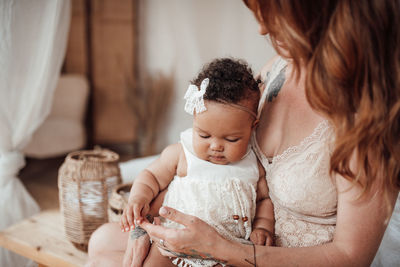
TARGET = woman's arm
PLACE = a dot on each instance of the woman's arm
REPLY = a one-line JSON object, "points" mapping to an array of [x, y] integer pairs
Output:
{"points": [[359, 230]]}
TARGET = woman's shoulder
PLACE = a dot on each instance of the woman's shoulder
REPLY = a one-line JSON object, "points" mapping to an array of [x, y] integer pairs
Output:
{"points": [[267, 67]]}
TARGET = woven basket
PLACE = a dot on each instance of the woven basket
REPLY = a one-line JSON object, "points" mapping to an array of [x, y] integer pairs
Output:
{"points": [[85, 182], [118, 201]]}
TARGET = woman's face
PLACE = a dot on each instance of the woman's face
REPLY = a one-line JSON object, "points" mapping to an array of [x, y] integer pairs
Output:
{"points": [[253, 6], [263, 30], [221, 134]]}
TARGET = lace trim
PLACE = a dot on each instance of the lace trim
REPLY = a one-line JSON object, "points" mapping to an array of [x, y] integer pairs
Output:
{"points": [[315, 135]]}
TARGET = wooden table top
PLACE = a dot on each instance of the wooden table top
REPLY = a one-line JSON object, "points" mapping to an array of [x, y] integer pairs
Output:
{"points": [[42, 239]]}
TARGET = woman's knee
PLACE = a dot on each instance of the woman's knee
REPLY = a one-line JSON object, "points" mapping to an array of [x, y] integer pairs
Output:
{"points": [[107, 237]]}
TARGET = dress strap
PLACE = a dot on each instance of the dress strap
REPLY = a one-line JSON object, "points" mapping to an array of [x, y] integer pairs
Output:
{"points": [[278, 65]]}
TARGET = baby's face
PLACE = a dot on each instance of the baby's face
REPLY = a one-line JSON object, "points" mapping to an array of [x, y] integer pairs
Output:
{"points": [[222, 133]]}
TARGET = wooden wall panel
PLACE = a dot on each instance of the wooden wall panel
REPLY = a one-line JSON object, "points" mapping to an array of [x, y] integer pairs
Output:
{"points": [[102, 46], [76, 60], [113, 49]]}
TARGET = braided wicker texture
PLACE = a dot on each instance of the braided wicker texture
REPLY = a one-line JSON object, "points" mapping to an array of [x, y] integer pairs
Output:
{"points": [[118, 201], [85, 182]]}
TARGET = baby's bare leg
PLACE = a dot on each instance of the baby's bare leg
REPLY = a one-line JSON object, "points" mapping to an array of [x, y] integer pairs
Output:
{"points": [[155, 259]]}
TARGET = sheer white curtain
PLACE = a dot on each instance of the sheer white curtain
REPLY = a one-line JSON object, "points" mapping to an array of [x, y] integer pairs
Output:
{"points": [[33, 37]]}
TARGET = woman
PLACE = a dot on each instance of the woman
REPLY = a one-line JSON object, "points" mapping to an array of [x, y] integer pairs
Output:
{"points": [[331, 113]]}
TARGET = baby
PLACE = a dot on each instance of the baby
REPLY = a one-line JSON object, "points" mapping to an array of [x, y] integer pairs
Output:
{"points": [[212, 173]]}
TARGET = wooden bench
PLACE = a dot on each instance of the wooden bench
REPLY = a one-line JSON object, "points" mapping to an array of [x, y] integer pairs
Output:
{"points": [[42, 239]]}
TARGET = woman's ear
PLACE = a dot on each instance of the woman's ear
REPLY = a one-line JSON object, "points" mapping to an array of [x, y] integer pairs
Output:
{"points": [[262, 29]]}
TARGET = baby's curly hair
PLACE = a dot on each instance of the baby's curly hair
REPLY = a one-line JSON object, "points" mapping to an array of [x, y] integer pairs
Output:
{"points": [[231, 80]]}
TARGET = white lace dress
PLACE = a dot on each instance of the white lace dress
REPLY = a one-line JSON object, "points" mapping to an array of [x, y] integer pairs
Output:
{"points": [[300, 186], [217, 194]]}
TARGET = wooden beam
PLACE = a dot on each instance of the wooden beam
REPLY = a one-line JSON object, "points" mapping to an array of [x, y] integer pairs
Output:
{"points": [[113, 67]]}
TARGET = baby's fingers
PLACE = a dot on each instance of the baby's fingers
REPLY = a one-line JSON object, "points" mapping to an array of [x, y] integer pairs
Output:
{"points": [[270, 239], [129, 217], [261, 238], [137, 210], [258, 238], [124, 222], [145, 211], [253, 237]]}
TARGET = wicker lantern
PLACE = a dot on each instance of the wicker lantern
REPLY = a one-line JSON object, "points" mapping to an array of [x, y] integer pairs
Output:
{"points": [[85, 182]]}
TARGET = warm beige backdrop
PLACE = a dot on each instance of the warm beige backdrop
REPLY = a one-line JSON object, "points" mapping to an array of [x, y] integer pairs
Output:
{"points": [[111, 40]]}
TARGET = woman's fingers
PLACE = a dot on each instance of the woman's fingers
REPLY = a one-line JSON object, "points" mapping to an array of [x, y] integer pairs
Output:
{"points": [[177, 216], [162, 237], [166, 253], [153, 230], [170, 214]]}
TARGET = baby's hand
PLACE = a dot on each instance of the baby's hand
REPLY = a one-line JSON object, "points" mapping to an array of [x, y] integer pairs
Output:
{"points": [[261, 237], [136, 209]]}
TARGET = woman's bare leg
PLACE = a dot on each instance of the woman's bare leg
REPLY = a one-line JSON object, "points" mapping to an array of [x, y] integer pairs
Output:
{"points": [[155, 259], [107, 246]]}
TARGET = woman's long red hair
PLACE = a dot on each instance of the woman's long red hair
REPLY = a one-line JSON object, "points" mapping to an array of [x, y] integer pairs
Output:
{"points": [[351, 52]]}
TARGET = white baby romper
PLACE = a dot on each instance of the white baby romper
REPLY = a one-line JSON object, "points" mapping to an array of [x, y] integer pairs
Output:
{"points": [[216, 194]]}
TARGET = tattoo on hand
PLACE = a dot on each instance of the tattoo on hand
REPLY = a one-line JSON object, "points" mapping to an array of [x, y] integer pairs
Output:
{"points": [[194, 254], [250, 262], [137, 232], [276, 85]]}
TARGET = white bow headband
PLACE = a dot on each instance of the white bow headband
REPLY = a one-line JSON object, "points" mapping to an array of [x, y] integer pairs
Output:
{"points": [[194, 97], [195, 100]]}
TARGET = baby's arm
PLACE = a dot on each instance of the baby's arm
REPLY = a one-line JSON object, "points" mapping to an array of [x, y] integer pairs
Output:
{"points": [[148, 184], [264, 222]]}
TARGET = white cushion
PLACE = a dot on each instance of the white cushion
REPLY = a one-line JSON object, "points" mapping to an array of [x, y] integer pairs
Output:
{"points": [[131, 168], [63, 130]]}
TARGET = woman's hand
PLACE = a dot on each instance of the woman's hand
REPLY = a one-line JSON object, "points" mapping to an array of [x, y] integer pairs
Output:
{"points": [[196, 240], [137, 248]]}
